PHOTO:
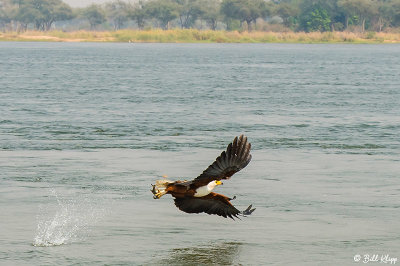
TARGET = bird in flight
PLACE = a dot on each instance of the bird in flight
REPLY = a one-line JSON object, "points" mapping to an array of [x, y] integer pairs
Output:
{"points": [[196, 196]]}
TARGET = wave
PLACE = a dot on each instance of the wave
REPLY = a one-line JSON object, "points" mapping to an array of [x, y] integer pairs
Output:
{"points": [[71, 220]]}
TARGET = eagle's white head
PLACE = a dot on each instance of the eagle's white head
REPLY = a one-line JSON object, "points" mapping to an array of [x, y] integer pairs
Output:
{"points": [[205, 190], [215, 183]]}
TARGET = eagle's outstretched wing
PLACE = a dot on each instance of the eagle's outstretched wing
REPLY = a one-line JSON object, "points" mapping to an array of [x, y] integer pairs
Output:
{"points": [[235, 158], [213, 203]]}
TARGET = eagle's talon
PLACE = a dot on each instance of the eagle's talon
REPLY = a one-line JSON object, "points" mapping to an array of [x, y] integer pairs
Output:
{"points": [[248, 211], [158, 194]]}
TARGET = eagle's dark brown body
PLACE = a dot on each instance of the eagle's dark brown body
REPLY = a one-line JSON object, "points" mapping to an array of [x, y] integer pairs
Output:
{"points": [[196, 196], [180, 189]]}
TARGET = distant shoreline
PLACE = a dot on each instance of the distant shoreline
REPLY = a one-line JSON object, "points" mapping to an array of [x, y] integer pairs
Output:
{"points": [[200, 36]]}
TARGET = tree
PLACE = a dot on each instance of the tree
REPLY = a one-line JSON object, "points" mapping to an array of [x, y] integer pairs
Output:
{"points": [[163, 10], [396, 13], [138, 13], [117, 12], [229, 11], [316, 20], [256, 9], [7, 12], [307, 15], [49, 12], [95, 14], [389, 14], [288, 12], [211, 12], [383, 14], [363, 9], [189, 11], [320, 15], [316, 15], [42, 13], [243, 10], [27, 14]]}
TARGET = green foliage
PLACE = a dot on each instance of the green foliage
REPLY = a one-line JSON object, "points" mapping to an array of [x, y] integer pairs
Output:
{"points": [[189, 12], [95, 14], [363, 9], [138, 13], [316, 20], [210, 12], [288, 12], [117, 13], [232, 24], [337, 26], [390, 11], [42, 13], [244, 10], [240, 15], [7, 12], [163, 10]]}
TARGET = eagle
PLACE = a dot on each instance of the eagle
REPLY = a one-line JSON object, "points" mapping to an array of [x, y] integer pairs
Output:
{"points": [[196, 196]]}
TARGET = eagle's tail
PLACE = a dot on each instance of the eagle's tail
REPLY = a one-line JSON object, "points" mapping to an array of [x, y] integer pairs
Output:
{"points": [[160, 188]]}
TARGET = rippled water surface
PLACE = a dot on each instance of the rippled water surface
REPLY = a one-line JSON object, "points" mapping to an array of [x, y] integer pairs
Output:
{"points": [[86, 128]]}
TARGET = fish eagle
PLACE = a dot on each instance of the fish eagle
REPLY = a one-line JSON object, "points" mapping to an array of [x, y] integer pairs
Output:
{"points": [[196, 196]]}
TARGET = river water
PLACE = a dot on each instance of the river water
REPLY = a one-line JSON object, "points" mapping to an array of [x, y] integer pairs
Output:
{"points": [[85, 128]]}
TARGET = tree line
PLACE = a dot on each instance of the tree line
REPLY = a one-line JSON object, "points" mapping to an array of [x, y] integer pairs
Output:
{"points": [[281, 15]]}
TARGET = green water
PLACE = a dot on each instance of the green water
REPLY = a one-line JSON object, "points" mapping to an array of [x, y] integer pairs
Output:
{"points": [[86, 128]]}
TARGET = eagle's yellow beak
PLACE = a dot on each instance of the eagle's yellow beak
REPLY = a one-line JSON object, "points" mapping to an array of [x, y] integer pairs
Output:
{"points": [[218, 182]]}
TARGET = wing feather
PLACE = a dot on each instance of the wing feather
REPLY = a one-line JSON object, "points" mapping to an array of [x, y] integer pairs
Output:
{"points": [[213, 203], [231, 161]]}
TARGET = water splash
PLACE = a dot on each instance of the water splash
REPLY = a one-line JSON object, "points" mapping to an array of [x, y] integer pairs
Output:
{"points": [[71, 220]]}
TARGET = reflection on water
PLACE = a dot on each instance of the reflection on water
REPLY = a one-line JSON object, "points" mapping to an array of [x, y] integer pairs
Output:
{"points": [[225, 253]]}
